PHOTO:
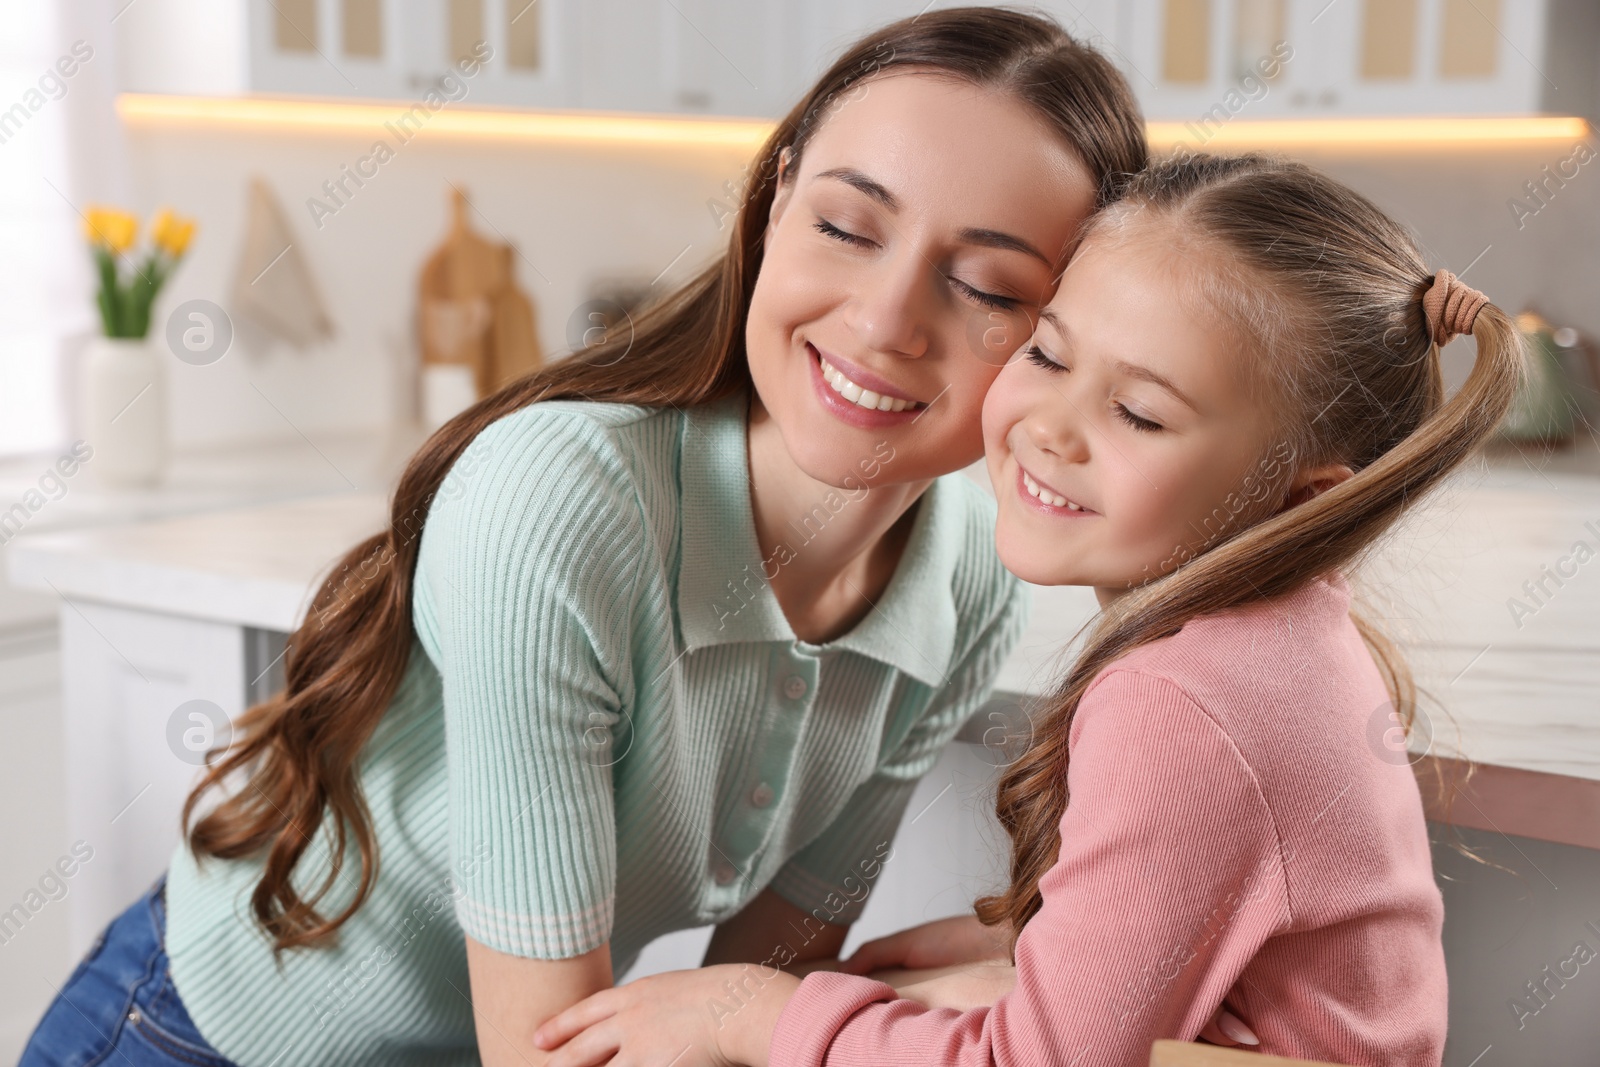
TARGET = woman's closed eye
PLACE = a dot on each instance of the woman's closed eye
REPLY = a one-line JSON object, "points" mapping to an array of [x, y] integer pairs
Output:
{"points": [[823, 226], [971, 292]]}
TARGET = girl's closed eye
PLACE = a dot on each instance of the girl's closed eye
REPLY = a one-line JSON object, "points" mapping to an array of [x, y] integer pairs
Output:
{"points": [[1138, 422], [1038, 357]]}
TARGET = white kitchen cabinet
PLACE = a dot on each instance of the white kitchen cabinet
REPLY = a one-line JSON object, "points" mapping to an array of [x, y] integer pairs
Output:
{"points": [[1184, 58], [402, 48], [1362, 57]]}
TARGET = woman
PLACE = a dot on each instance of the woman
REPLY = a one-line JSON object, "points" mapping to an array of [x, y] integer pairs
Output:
{"points": [[690, 614]]}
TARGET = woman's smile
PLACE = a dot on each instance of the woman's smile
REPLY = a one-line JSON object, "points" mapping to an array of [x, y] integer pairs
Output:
{"points": [[857, 396]]}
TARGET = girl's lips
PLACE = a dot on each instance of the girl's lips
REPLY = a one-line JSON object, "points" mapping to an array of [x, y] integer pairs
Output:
{"points": [[854, 414], [1043, 506]]}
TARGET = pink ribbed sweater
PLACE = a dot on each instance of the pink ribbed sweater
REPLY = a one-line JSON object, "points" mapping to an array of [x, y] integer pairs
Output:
{"points": [[1238, 829]]}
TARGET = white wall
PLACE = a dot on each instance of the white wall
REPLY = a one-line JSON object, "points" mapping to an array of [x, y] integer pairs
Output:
{"points": [[580, 214], [576, 214]]}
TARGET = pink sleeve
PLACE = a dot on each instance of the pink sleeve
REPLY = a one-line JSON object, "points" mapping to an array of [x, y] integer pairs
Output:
{"points": [[1168, 882]]}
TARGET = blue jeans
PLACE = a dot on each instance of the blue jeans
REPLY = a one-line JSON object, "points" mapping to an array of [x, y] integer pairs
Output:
{"points": [[119, 1007]]}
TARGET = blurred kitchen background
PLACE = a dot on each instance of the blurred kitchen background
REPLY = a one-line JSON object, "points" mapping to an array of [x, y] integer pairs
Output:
{"points": [[547, 166]]}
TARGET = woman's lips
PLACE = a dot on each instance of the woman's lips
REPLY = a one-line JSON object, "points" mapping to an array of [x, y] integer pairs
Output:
{"points": [[851, 412], [863, 379]]}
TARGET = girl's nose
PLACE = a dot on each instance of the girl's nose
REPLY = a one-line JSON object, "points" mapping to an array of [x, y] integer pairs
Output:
{"points": [[890, 312], [1057, 425]]}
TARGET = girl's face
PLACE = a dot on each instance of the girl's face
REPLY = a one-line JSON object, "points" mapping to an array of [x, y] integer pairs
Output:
{"points": [[904, 262], [1124, 437]]}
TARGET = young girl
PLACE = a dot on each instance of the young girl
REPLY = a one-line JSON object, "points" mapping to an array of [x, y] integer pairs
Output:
{"points": [[660, 637], [1233, 394]]}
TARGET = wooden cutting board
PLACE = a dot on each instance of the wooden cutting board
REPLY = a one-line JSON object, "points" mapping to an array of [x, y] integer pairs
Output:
{"points": [[470, 310]]}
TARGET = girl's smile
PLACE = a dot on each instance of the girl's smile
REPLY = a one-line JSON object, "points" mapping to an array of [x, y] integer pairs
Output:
{"points": [[1047, 499], [1122, 426]]}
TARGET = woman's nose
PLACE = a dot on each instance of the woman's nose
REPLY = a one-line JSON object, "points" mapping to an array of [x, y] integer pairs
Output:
{"points": [[891, 310]]}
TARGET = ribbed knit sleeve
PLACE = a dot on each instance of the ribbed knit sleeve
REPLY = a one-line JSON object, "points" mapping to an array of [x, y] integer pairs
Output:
{"points": [[525, 585], [831, 876], [1168, 882]]}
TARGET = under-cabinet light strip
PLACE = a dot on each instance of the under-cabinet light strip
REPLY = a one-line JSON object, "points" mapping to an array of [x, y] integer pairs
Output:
{"points": [[269, 112]]}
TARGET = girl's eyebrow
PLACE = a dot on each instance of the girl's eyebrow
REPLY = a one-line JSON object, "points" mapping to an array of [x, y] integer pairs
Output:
{"points": [[1121, 366], [975, 235]]}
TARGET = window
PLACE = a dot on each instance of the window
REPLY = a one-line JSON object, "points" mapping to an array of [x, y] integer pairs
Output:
{"points": [[45, 285]]}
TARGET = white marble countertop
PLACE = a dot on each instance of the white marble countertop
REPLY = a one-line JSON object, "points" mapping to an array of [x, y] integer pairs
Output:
{"points": [[199, 480], [1523, 695], [255, 566]]}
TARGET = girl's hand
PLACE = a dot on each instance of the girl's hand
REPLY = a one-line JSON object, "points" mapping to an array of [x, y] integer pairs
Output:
{"points": [[941, 943], [712, 1016]]}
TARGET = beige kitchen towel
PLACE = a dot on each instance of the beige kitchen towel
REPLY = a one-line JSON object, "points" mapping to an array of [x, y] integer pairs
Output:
{"points": [[273, 289]]}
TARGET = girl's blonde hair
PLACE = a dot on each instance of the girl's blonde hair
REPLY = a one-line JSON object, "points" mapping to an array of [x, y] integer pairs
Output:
{"points": [[1327, 292]]}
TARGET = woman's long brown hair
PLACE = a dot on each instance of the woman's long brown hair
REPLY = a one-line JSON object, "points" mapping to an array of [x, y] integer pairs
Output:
{"points": [[1326, 291], [297, 757]]}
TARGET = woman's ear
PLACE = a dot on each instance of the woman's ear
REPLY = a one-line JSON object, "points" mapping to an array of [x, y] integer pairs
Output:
{"points": [[1311, 481], [784, 186]]}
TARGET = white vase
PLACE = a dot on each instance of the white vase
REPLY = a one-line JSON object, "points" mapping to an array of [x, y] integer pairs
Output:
{"points": [[125, 408]]}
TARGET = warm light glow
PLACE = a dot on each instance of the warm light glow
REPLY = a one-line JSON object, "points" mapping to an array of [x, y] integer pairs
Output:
{"points": [[1418, 132], [1408, 131], [141, 108]]}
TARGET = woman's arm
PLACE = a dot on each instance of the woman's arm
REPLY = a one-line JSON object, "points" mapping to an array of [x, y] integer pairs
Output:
{"points": [[513, 995], [765, 926]]}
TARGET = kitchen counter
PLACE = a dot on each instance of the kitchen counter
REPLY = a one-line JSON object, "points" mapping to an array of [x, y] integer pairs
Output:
{"points": [[159, 613]]}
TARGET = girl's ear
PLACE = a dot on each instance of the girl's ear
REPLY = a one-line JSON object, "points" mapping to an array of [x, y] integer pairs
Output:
{"points": [[1308, 483]]}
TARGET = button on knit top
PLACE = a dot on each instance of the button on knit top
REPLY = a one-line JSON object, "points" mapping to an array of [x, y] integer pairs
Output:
{"points": [[606, 731], [1238, 828]]}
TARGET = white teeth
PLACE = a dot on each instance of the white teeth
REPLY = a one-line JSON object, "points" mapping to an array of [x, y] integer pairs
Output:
{"points": [[1053, 499], [865, 398]]}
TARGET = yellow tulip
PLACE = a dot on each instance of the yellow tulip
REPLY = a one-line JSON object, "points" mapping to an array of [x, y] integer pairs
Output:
{"points": [[172, 232], [114, 229]]}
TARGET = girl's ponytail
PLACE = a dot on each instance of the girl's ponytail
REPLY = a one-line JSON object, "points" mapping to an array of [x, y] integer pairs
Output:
{"points": [[1367, 391]]}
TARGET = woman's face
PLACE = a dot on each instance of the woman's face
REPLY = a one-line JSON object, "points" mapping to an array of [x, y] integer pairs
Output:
{"points": [[905, 260]]}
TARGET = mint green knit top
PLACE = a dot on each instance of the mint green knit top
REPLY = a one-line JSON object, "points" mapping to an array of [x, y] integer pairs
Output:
{"points": [[606, 731]]}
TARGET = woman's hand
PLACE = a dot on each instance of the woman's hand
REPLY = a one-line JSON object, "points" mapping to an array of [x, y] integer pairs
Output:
{"points": [[976, 985], [941, 943], [713, 1016], [1226, 1028]]}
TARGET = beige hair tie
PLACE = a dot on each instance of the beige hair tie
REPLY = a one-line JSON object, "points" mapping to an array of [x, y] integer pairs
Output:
{"points": [[1451, 307]]}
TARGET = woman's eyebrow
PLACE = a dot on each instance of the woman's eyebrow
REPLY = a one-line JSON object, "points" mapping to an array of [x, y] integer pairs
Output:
{"points": [[997, 239], [974, 235], [857, 180]]}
